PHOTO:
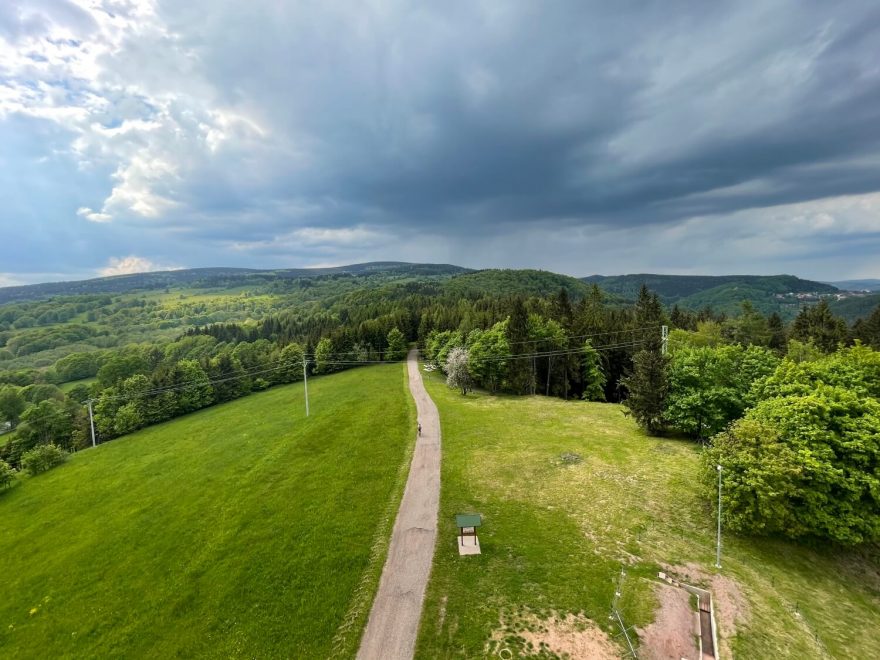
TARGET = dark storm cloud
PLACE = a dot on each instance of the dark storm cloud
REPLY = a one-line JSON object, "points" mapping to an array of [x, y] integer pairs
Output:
{"points": [[266, 129], [561, 111]]}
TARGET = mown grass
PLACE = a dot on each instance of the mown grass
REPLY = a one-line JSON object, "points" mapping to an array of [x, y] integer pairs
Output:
{"points": [[557, 532], [243, 530]]}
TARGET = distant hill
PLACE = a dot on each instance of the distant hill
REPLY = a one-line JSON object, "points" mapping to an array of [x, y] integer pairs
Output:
{"points": [[855, 307], [507, 282], [857, 285], [724, 293], [208, 277]]}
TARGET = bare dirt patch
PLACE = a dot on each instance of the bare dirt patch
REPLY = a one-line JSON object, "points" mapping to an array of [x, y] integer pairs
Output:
{"points": [[573, 636], [732, 610], [671, 635]]}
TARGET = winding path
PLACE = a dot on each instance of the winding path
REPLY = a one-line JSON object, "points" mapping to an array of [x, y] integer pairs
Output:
{"points": [[394, 619]]}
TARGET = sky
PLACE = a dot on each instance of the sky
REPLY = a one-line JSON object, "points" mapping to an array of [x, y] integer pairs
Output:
{"points": [[579, 137]]}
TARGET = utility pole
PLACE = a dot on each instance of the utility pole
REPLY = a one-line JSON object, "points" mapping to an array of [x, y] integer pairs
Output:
{"points": [[664, 338], [306, 383], [92, 422], [718, 543], [615, 614]]}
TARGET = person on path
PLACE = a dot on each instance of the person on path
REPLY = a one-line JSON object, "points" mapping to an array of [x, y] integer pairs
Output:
{"points": [[420, 428]]}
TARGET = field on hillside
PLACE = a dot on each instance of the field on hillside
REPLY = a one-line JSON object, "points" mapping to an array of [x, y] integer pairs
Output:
{"points": [[571, 493], [243, 530]]}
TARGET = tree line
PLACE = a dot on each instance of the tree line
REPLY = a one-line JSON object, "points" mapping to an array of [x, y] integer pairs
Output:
{"points": [[747, 385]]}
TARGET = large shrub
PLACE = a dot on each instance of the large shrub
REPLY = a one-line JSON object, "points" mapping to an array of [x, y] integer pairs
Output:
{"points": [[710, 386], [803, 465], [42, 458], [7, 474]]}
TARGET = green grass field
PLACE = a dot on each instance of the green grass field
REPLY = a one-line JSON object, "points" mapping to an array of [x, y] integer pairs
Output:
{"points": [[556, 535], [69, 385], [243, 530]]}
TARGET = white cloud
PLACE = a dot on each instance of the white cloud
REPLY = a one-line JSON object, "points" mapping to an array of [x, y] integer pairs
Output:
{"points": [[358, 237], [132, 264], [93, 216], [114, 75]]}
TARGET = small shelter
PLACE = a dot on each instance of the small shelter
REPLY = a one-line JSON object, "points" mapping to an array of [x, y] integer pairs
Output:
{"points": [[467, 524]]}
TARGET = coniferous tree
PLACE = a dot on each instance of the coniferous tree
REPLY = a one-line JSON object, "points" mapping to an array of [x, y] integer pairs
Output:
{"points": [[519, 372], [820, 326], [647, 387], [778, 339], [594, 379], [867, 330]]}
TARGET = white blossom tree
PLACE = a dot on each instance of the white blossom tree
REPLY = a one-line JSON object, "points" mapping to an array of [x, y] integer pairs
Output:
{"points": [[458, 374]]}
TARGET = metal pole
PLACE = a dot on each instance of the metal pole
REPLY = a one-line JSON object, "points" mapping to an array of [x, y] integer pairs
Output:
{"points": [[718, 544], [306, 384], [664, 337], [92, 422]]}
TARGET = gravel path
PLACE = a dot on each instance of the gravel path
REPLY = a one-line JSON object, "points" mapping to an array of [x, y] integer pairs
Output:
{"points": [[394, 620]]}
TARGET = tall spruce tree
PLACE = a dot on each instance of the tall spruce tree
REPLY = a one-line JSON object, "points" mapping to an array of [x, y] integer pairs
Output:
{"points": [[519, 374], [867, 330], [819, 325], [778, 339], [647, 384], [647, 387]]}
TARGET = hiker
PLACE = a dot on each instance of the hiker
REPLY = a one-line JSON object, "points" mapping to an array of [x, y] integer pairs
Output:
{"points": [[420, 428]]}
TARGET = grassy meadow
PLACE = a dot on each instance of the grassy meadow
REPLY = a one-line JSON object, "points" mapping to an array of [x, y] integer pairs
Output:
{"points": [[571, 493], [243, 530]]}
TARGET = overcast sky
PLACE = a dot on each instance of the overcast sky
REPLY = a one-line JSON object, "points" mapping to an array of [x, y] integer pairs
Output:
{"points": [[580, 137]]}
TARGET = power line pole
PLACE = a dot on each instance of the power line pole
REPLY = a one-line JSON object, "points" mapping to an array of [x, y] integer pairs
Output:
{"points": [[92, 422], [664, 338], [615, 614], [718, 542], [306, 383]]}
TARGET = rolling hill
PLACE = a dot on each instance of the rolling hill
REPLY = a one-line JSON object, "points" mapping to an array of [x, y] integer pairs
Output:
{"points": [[856, 307], [210, 278], [508, 282], [723, 293], [857, 285], [244, 530]]}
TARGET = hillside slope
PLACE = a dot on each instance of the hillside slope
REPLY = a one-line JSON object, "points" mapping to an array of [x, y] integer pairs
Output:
{"points": [[243, 530], [571, 493], [508, 282], [856, 307], [209, 277], [857, 285], [724, 293]]}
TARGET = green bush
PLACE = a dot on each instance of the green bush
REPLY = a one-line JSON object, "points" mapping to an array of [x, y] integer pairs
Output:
{"points": [[802, 465], [42, 458], [7, 474]]}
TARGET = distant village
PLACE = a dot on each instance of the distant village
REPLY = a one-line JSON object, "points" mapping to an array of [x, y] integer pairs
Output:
{"points": [[815, 296]]}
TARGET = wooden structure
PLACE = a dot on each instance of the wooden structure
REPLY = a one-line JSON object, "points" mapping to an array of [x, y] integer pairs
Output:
{"points": [[467, 524]]}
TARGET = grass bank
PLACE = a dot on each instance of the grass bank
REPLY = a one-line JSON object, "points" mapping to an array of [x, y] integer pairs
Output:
{"points": [[571, 493], [243, 530]]}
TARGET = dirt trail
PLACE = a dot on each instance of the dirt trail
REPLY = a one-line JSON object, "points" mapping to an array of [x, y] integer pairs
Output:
{"points": [[394, 619]]}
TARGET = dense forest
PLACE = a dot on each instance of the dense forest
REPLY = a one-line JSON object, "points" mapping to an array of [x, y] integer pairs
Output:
{"points": [[750, 385], [783, 294]]}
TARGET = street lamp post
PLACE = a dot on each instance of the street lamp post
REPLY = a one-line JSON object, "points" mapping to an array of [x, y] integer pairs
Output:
{"points": [[718, 543]]}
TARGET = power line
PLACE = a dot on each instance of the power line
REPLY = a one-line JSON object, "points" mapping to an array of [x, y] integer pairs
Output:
{"points": [[231, 376]]}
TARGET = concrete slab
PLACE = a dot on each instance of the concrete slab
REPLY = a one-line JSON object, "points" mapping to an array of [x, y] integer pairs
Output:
{"points": [[471, 545]]}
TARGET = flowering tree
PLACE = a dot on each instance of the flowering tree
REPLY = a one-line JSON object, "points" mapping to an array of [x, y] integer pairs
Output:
{"points": [[458, 374]]}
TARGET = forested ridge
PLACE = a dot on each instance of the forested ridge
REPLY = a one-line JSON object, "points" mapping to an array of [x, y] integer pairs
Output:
{"points": [[715, 377], [206, 278], [783, 294]]}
